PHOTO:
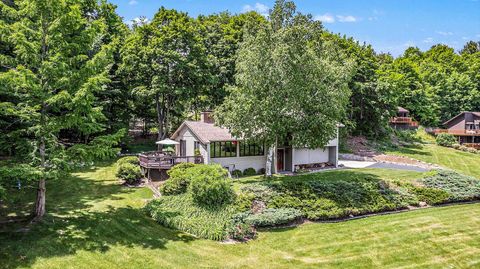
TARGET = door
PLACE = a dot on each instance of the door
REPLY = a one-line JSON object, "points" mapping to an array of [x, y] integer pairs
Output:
{"points": [[280, 159], [183, 148]]}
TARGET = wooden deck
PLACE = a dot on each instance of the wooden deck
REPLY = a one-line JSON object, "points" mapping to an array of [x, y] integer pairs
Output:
{"points": [[404, 121], [457, 132], [159, 160]]}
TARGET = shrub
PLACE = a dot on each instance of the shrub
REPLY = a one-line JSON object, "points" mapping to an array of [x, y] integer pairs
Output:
{"points": [[431, 196], [240, 229], [178, 181], [446, 140], [209, 186], [458, 186], [249, 172], [472, 150], [130, 159], [182, 213], [463, 148], [261, 171], [244, 201], [236, 173], [259, 191], [273, 217], [456, 146], [129, 173]]}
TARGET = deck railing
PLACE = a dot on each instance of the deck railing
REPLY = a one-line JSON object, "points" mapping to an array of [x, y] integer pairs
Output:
{"points": [[456, 132], [404, 120], [161, 161]]}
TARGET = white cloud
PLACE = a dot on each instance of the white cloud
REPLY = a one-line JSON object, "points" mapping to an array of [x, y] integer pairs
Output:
{"points": [[258, 7], [326, 18], [133, 2], [374, 18], [409, 44], [444, 33], [348, 18], [428, 40]]}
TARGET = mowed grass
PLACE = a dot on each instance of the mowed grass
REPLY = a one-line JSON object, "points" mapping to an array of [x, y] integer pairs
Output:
{"points": [[94, 222], [463, 162]]}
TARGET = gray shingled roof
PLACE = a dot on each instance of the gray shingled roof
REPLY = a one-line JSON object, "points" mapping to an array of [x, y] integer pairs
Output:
{"points": [[206, 132]]}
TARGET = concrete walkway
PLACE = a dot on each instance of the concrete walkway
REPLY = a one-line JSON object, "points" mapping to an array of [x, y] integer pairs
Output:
{"points": [[362, 164]]}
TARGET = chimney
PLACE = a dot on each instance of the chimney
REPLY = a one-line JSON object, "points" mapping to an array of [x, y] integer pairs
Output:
{"points": [[206, 117]]}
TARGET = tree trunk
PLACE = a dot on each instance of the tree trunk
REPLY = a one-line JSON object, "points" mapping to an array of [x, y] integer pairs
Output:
{"points": [[41, 191], [269, 162], [160, 117], [40, 202]]}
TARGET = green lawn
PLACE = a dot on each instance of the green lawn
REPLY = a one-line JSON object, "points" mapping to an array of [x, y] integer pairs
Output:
{"points": [[93, 222], [464, 162]]}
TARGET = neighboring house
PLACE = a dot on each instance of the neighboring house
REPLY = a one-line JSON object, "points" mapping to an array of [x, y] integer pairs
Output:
{"points": [[403, 120], [216, 145], [465, 127]]}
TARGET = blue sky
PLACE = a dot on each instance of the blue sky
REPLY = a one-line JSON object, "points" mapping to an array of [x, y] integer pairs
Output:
{"points": [[389, 25]]}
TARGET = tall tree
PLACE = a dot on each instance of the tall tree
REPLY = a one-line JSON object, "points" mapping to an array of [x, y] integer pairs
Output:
{"points": [[221, 35], [61, 63], [290, 84], [164, 62]]}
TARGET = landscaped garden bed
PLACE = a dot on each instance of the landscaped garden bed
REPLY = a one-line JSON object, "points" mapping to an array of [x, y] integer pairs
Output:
{"points": [[259, 202]]}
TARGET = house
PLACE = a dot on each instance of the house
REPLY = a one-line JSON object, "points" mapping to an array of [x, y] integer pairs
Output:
{"points": [[216, 145], [465, 127], [403, 120]]}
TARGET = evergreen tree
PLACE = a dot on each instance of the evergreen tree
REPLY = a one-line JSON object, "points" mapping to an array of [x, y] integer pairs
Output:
{"points": [[60, 64]]}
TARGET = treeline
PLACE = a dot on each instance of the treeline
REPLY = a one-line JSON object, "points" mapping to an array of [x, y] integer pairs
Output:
{"points": [[74, 76]]}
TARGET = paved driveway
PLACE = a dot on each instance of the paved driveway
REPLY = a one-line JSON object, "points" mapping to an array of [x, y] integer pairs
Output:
{"points": [[362, 164]]}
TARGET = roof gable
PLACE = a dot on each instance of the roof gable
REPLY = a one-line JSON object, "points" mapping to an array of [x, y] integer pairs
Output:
{"points": [[205, 132]]}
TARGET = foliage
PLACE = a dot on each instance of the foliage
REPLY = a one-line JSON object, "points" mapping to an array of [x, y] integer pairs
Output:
{"points": [[237, 173], [272, 217], [57, 66], [164, 61], [249, 172], [431, 196], [240, 228], [129, 159], [178, 181], [128, 172], [182, 213], [313, 75], [458, 186], [209, 185], [446, 140]]}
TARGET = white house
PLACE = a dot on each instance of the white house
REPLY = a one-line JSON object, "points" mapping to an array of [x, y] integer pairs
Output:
{"points": [[217, 145]]}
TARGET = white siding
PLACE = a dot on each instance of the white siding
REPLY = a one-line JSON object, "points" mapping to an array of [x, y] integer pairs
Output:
{"points": [[241, 163], [309, 156]]}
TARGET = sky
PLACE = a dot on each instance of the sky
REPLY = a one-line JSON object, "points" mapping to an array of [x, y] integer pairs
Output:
{"points": [[389, 25]]}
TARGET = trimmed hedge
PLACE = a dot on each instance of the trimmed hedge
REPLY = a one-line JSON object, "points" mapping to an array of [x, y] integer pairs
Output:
{"points": [[249, 172], [237, 173]]}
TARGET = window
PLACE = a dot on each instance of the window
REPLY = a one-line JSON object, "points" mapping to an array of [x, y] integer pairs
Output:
{"points": [[223, 149], [251, 149], [196, 145]]}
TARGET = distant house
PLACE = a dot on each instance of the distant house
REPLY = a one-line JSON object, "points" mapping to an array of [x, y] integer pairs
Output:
{"points": [[216, 145], [403, 120], [465, 127]]}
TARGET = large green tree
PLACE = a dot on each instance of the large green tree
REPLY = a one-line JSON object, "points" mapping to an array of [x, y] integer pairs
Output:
{"points": [[59, 64], [165, 65], [290, 84]]}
